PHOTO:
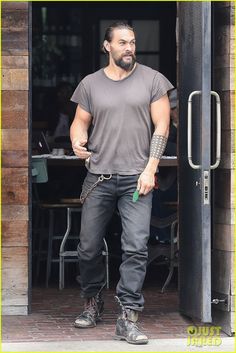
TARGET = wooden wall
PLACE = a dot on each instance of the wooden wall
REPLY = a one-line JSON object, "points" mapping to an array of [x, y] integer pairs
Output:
{"points": [[223, 231], [15, 120]]}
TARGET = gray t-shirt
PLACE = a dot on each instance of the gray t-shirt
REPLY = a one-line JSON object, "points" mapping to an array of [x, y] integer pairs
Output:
{"points": [[121, 131]]}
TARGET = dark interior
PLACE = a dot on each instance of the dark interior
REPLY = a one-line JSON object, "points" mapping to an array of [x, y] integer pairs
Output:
{"points": [[67, 38]]}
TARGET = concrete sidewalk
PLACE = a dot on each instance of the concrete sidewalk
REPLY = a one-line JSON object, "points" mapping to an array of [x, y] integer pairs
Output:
{"points": [[154, 345]]}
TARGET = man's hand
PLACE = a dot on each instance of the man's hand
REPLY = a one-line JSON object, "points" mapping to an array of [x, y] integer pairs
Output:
{"points": [[79, 150], [146, 182]]}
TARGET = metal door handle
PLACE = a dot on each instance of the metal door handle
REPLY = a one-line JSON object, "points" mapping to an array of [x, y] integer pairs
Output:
{"points": [[192, 165], [218, 130]]}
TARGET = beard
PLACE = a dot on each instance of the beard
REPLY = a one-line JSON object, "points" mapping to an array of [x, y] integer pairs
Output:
{"points": [[127, 66]]}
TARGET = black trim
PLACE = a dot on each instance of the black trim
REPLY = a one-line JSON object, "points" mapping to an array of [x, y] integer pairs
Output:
{"points": [[29, 158]]}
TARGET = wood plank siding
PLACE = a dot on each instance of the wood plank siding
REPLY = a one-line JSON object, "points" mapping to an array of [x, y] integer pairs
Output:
{"points": [[223, 229], [15, 181]]}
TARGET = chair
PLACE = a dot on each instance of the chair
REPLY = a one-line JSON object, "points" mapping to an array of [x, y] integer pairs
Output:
{"points": [[71, 206], [63, 254], [169, 251]]}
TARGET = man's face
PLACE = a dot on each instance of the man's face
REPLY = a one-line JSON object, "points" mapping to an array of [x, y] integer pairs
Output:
{"points": [[122, 48]]}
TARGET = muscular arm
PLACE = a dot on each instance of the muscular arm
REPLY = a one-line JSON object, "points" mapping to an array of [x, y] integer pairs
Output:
{"points": [[79, 132], [160, 113]]}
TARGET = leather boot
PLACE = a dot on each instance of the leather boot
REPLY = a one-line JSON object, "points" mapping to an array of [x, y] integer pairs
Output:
{"points": [[93, 309], [126, 328]]}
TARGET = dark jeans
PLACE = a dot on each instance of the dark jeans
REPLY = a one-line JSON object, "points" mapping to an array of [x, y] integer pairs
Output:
{"points": [[97, 211]]}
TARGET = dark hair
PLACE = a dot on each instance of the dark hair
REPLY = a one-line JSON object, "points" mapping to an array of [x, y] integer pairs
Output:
{"points": [[109, 32]]}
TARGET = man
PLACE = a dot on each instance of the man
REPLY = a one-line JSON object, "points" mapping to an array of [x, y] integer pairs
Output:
{"points": [[119, 106]]}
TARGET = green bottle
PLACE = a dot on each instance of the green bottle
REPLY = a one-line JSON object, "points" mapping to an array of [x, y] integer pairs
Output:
{"points": [[135, 196]]}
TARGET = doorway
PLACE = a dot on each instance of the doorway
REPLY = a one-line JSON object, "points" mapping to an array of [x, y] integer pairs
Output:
{"points": [[67, 46], [67, 41]]}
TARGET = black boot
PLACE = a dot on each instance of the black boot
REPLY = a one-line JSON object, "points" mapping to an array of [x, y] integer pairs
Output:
{"points": [[126, 329], [93, 309]]}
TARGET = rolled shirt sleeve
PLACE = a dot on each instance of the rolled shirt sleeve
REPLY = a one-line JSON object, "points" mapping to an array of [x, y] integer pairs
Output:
{"points": [[161, 85], [81, 97]]}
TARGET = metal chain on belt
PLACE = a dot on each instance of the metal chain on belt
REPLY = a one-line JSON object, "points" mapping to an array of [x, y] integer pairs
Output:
{"points": [[99, 180]]}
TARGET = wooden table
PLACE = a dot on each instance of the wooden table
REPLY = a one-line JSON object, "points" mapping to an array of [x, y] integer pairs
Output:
{"points": [[166, 161]]}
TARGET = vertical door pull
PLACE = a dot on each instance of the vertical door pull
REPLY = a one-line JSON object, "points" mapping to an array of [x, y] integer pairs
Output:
{"points": [[192, 165], [218, 130]]}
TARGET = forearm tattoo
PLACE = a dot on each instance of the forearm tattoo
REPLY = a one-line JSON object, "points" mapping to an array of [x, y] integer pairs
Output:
{"points": [[158, 145]]}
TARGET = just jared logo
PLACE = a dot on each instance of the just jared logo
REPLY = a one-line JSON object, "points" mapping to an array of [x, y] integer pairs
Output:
{"points": [[204, 336]]}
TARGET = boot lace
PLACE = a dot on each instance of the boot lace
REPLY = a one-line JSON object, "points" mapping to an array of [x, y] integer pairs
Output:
{"points": [[124, 313], [91, 308]]}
